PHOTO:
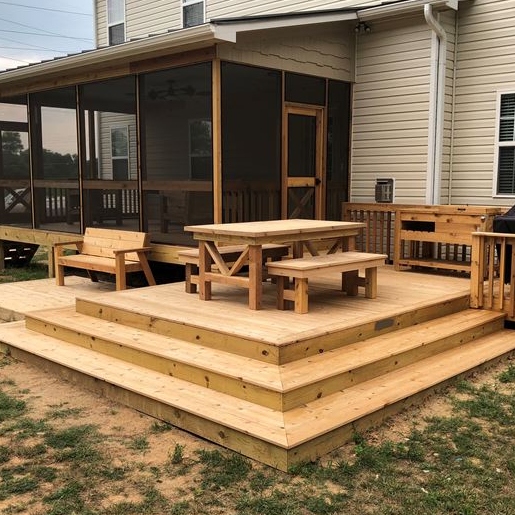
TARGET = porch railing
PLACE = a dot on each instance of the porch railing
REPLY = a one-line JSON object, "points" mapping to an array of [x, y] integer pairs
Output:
{"points": [[379, 233], [492, 278]]}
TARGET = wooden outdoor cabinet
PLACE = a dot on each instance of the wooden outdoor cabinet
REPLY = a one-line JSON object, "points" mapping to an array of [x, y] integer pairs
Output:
{"points": [[439, 236]]}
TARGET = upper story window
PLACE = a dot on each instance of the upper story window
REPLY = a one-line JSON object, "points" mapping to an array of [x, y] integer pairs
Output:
{"points": [[505, 145], [192, 13], [116, 21]]}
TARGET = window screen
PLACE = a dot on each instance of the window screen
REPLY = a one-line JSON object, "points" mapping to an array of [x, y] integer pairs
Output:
{"points": [[506, 146], [192, 13], [116, 21]]}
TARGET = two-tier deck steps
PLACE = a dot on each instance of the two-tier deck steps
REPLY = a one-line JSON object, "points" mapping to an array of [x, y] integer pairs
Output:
{"points": [[279, 387], [270, 336], [271, 436]]}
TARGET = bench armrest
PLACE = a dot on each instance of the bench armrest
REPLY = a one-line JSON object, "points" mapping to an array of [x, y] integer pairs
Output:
{"points": [[64, 243], [126, 251]]}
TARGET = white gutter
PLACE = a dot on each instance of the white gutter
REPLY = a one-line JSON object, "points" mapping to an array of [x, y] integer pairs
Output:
{"points": [[436, 108], [406, 7]]}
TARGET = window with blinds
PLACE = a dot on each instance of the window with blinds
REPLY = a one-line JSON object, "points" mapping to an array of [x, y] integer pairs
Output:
{"points": [[116, 21], [506, 145], [192, 13]]}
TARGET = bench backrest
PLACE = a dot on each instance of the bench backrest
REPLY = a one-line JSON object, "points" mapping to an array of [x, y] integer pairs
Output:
{"points": [[101, 242]]}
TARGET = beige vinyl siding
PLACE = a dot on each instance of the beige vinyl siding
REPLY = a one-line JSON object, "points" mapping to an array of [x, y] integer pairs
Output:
{"points": [[144, 18], [106, 122], [390, 109], [448, 21], [232, 8], [485, 66], [101, 22], [327, 53]]}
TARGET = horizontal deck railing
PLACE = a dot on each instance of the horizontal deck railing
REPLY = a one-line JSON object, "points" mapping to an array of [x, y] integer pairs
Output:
{"points": [[379, 234], [492, 278]]}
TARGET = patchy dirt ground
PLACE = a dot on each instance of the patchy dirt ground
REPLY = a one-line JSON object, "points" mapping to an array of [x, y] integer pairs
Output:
{"points": [[122, 427]]}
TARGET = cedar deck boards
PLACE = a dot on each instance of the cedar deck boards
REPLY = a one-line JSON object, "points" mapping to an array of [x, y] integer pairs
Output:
{"points": [[276, 386]]}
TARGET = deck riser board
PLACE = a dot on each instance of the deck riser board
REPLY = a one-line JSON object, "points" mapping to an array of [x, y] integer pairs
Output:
{"points": [[388, 389], [235, 386], [297, 348], [240, 346], [281, 388], [238, 441]]}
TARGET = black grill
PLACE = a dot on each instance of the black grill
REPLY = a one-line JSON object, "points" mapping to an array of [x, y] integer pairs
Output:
{"points": [[506, 224]]}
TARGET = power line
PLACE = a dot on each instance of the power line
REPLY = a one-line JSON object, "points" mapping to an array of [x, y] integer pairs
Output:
{"points": [[37, 28], [15, 60], [32, 47], [50, 35], [47, 9], [40, 49]]}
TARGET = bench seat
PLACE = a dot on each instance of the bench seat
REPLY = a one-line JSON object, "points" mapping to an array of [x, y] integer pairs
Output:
{"points": [[305, 268], [111, 251], [230, 253]]}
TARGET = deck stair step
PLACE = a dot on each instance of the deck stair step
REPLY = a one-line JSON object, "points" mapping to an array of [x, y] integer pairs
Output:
{"points": [[144, 311], [278, 387], [279, 438]]}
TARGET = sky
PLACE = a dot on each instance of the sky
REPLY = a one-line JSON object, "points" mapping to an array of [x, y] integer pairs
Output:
{"points": [[36, 30]]}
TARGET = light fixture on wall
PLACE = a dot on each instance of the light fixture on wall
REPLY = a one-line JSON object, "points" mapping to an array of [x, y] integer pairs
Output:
{"points": [[362, 28]]}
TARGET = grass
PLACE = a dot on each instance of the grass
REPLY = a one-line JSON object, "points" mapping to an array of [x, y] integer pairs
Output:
{"points": [[36, 269], [460, 463]]}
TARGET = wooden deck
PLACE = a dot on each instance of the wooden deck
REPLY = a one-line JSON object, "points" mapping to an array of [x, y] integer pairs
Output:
{"points": [[274, 385]]}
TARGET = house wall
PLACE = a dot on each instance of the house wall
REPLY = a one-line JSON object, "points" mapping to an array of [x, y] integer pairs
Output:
{"points": [[144, 17], [484, 66], [390, 109], [327, 53]]}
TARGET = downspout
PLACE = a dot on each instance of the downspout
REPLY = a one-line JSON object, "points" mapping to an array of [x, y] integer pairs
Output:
{"points": [[437, 110]]}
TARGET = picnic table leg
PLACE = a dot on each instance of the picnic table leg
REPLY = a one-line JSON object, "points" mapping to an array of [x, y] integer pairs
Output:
{"points": [[350, 282], [301, 295], [255, 276], [204, 265], [371, 283]]}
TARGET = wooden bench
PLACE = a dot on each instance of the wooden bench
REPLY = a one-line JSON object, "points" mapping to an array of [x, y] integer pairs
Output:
{"points": [[230, 253], [106, 250], [302, 269]]}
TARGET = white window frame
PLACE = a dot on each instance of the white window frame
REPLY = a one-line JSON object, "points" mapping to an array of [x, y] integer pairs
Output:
{"points": [[498, 144], [112, 23], [126, 156], [185, 3], [194, 153]]}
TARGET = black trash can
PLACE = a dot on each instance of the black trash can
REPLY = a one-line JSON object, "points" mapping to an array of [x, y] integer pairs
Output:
{"points": [[506, 224]]}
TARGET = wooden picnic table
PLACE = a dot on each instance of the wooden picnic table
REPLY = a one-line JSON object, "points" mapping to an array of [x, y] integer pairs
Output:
{"points": [[300, 233]]}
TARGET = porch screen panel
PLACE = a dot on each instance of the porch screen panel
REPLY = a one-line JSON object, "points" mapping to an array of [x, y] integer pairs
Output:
{"points": [[251, 143], [15, 198], [55, 158], [177, 151], [110, 172], [304, 89], [338, 148]]}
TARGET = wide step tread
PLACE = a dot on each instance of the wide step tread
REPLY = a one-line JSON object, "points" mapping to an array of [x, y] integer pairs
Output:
{"points": [[240, 415], [180, 351], [324, 415], [366, 352]]}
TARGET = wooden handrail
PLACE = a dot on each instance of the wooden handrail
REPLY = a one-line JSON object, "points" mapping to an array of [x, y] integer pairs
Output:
{"points": [[378, 236], [492, 278]]}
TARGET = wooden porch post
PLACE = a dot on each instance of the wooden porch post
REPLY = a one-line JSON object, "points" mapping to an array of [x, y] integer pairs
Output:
{"points": [[217, 141]]}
